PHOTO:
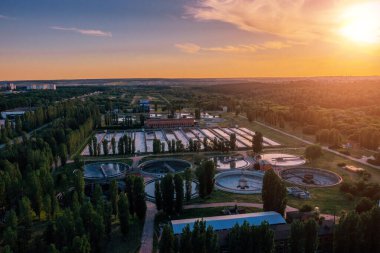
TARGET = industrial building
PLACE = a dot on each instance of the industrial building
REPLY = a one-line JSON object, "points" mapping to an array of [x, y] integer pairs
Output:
{"points": [[169, 123]]}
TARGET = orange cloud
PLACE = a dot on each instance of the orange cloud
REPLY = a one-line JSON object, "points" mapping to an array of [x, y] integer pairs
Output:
{"points": [[298, 20], [192, 48]]}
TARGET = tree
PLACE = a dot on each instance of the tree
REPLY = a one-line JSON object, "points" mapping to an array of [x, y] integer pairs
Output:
{"points": [[97, 195], [96, 231], [188, 185], [90, 149], [313, 152], [167, 242], [114, 197], [273, 193], [35, 192], [107, 217], [10, 237], [257, 142], [311, 236], [79, 184], [364, 205], [123, 214], [232, 141], [157, 195], [105, 146], [266, 238], [197, 114], [139, 197], [167, 189], [205, 174], [178, 185], [25, 212], [47, 206], [7, 249], [63, 154], [129, 185], [52, 249], [113, 145], [297, 237], [78, 162], [346, 234], [81, 245], [185, 240]]}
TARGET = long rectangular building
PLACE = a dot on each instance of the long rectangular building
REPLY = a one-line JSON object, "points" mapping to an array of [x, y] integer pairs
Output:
{"points": [[226, 222], [169, 123]]}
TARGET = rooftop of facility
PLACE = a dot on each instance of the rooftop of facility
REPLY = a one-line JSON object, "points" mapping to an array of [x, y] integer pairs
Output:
{"points": [[228, 221]]}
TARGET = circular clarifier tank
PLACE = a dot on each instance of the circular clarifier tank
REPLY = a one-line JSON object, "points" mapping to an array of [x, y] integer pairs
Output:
{"points": [[310, 177], [230, 162], [105, 171], [283, 160], [161, 167], [241, 182]]}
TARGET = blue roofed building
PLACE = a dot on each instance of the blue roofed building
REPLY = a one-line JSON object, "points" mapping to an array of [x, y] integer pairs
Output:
{"points": [[226, 222], [282, 230]]}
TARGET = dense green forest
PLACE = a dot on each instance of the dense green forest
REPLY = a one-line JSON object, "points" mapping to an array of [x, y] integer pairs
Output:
{"points": [[335, 113]]}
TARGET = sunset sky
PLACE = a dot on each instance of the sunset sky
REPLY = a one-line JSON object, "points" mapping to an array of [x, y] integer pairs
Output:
{"points": [[67, 39]]}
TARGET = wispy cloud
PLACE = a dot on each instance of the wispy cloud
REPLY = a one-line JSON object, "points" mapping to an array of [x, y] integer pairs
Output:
{"points": [[89, 32], [301, 20], [6, 17], [192, 48]]}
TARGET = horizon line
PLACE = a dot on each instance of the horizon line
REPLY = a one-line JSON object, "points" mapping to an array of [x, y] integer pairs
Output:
{"points": [[189, 78]]}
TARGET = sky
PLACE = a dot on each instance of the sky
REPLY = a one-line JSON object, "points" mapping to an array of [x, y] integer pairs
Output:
{"points": [[83, 39]]}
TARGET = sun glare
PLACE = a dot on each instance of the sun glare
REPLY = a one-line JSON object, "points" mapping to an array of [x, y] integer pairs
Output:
{"points": [[361, 22]]}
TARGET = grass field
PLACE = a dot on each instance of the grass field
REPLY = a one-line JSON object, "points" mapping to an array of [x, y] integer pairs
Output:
{"points": [[232, 120], [209, 212]]}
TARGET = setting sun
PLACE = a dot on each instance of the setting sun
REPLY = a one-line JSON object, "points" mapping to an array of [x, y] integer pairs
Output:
{"points": [[362, 22]]}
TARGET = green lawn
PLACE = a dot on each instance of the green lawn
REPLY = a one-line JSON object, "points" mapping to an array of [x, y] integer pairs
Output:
{"points": [[218, 196], [284, 140], [209, 212]]}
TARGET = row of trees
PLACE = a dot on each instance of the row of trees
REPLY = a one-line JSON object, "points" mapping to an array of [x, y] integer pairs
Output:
{"points": [[198, 240], [34, 119], [358, 232], [332, 137], [169, 193], [246, 238], [126, 145]]}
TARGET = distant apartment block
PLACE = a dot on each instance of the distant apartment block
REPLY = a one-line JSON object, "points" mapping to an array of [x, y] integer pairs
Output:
{"points": [[41, 87], [8, 86]]}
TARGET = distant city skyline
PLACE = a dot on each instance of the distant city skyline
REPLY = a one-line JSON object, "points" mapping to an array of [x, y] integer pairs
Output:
{"points": [[79, 39]]}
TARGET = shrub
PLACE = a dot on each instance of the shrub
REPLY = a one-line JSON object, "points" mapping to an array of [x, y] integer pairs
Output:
{"points": [[341, 164], [364, 204], [306, 208], [350, 197], [373, 162], [344, 151], [313, 152], [310, 129]]}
